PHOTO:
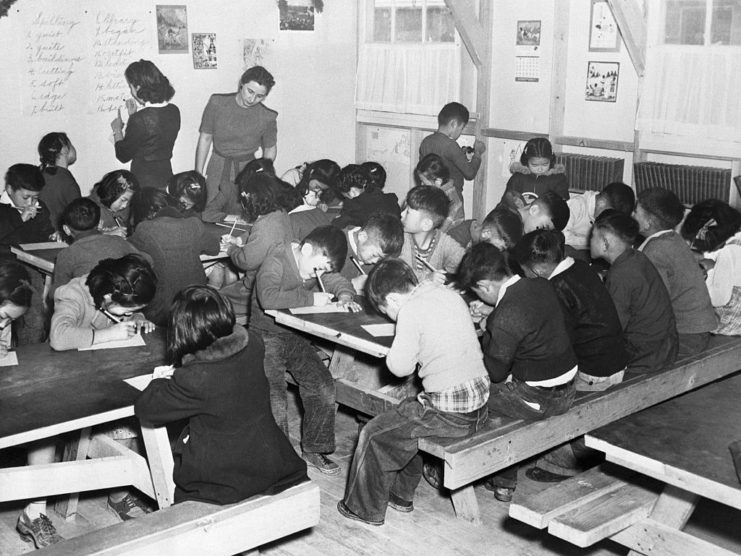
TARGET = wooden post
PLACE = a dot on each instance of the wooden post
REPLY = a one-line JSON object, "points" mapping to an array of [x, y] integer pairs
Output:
{"points": [[75, 450], [558, 70]]}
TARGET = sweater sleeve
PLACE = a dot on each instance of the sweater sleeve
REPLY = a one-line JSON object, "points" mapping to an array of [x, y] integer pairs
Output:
{"points": [[561, 187], [452, 254], [621, 293], [403, 355], [259, 244], [337, 284], [133, 140], [272, 294], [208, 243], [458, 158], [65, 332], [499, 345], [167, 400]]}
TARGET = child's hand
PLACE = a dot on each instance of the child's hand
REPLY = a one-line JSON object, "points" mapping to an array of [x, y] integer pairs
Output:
{"points": [[479, 147], [479, 310], [121, 331], [30, 212], [438, 277], [142, 324], [322, 298], [359, 283], [163, 371], [347, 301]]}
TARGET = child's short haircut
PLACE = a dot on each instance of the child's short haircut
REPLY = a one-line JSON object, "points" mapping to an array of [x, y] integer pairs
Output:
{"points": [[147, 203], [482, 262], [130, 281], [353, 176], [260, 195], [537, 147], [192, 186], [620, 197], [331, 241], [388, 276], [619, 224], [506, 224], [24, 176], [663, 207], [376, 173], [81, 215], [432, 167], [453, 111], [387, 231], [431, 200], [709, 224], [254, 167], [540, 246], [555, 206], [113, 185], [15, 285], [198, 316]]}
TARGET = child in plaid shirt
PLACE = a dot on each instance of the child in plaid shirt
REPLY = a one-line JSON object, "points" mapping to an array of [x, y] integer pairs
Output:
{"points": [[434, 334]]}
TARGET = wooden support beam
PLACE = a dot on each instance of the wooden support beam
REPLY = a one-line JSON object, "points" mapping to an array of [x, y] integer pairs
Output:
{"points": [[631, 22], [470, 29], [558, 71]]}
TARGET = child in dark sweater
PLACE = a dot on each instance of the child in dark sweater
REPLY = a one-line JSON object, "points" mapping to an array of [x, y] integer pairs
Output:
{"points": [[537, 172], [23, 217], [361, 198], [57, 153]]}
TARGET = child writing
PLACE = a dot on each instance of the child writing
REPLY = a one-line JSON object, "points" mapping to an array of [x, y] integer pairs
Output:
{"points": [[113, 194], [376, 173], [361, 198], [436, 338], [320, 175], [23, 218], [188, 189], [303, 207], [231, 448], [221, 205], [288, 278], [431, 170], [537, 172], [57, 154]]}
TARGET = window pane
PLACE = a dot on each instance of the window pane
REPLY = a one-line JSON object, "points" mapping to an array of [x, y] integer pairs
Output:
{"points": [[440, 25], [409, 24], [726, 25], [685, 22], [382, 25]]}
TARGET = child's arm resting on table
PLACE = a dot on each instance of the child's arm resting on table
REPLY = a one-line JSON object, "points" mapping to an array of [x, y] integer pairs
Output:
{"points": [[403, 355], [166, 400], [342, 289], [272, 294]]}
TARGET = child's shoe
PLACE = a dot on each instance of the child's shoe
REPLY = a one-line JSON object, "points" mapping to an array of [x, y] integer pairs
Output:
{"points": [[501, 493], [321, 462], [40, 531], [399, 504], [129, 507], [346, 512]]}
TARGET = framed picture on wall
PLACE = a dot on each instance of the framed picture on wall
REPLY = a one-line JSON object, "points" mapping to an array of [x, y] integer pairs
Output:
{"points": [[603, 31], [172, 29], [602, 81], [204, 50]]}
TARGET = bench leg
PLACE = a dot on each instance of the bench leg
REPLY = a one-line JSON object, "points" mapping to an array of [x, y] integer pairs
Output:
{"points": [[75, 450], [465, 504], [161, 464]]}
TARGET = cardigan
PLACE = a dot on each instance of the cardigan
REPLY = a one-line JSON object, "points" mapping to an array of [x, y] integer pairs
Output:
{"points": [[305, 219], [75, 316], [231, 448]]}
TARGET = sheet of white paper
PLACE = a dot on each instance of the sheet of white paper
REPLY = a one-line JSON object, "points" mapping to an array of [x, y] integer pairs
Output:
{"points": [[134, 341], [235, 218], [10, 360], [378, 330], [42, 245], [331, 308], [139, 382]]}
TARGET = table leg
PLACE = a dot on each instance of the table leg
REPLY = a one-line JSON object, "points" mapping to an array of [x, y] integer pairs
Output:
{"points": [[76, 450], [465, 504], [159, 456]]}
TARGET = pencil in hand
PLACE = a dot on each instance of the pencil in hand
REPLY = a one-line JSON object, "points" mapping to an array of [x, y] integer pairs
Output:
{"points": [[357, 265], [319, 279], [427, 265]]}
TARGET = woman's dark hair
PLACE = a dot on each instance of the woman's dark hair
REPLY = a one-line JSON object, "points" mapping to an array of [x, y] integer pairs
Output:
{"points": [[192, 186], [377, 174], [619, 224], [24, 176], [324, 171], [199, 315], [130, 281], [540, 246], [432, 167], [50, 146], [259, 75], [147, 204], [149, 82], [506, 223], [709, 224], [482, 262], [388, 276], [537, 147], [260, 195], [15, 285], [113, 185]]}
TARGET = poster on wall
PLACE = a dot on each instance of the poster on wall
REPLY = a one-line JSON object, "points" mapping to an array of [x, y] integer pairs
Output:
{"points": [[172, 29], [602, 81], [204, 50], [528, 37], [296, 15], [603, 31], [254, 52]]}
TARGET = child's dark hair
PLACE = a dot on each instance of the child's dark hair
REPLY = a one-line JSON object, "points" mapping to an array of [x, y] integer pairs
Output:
{"points": [[537, 147], [388, 276], [149, 82], [431, 200], [254, 167], [81, 215], [113, 185], [556, 207], [259, 75], [325, 171], [15, 285], [664, 208], [620, 197], [377, 174], [260, 195], [147, 203], [331, 241], [432, 167], [50, 147], [353, 176], [387, 231], [129, 280], [199, 315], [507, 225], [709, 224], [619, 224], [453, 111], [482, 261], [192, 186], [24, 176], [540, 246]]}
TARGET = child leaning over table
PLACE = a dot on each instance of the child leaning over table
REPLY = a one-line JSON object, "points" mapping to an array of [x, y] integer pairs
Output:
{"points": [[434, 334]]}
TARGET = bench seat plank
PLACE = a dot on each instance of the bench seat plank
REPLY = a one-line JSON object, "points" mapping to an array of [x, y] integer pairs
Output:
{"points": [[651, 537]]}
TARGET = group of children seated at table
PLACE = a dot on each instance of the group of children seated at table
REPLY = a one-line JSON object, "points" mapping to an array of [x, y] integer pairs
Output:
{"points": [[549, 323]]}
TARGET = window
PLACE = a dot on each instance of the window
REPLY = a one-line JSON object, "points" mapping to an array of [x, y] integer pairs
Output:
{"points": [[702, 22], [412, 21]]}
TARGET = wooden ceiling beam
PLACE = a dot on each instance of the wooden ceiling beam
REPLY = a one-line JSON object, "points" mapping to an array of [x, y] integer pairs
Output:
{"points": [[470, 29], [631, 21]]}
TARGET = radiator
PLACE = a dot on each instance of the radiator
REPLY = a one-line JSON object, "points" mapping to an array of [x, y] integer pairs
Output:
{"points": [[586, 172], [690, 183]]}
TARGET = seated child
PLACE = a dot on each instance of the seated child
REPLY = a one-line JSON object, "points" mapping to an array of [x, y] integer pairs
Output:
{"points": [[80, 223], [713, 231], [286, 279], [376, 173], [57, 153], [431, 170], [23, 218], [188, 189], [501, 227], [537, 172], [424, 243], [527, 351], [658, 212], [436, 338], [221, 205], [451, 120], [361, 198], [113, 194], [549, 211], [640, 296], [231, 448], [303, 208], [320, 176]]}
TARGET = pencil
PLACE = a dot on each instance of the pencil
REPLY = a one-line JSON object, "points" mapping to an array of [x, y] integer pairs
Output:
{"points": [[425, 263], [319, 279], [233, 226], [111, 317], [357, 265]]}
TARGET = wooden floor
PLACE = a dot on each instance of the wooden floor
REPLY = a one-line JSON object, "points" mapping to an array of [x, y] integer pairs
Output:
{"points": [[431, 527]]}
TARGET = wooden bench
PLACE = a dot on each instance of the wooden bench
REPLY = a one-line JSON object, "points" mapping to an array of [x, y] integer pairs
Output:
{"points": [[203, 529], [504, 442]]}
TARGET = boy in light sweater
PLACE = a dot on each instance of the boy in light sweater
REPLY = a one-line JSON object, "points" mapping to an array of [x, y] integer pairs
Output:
{"points": [[434, 334]]}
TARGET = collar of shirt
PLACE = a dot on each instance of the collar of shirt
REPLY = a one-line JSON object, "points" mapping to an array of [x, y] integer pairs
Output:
{"points": [[513, 280], [565, 264], [301, 208], [5, 199], [649, 238], [155, 104]]}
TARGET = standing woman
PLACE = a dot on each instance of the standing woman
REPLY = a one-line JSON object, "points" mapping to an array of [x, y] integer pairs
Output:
{"points": [[236, 126], [151, 131]]}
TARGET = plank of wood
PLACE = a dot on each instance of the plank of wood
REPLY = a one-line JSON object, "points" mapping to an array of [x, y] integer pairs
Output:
{"points": [[538, 510], [75, 450], [604, 516], [161, 463], [102, 446], [465, 504], [650, 537]]}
